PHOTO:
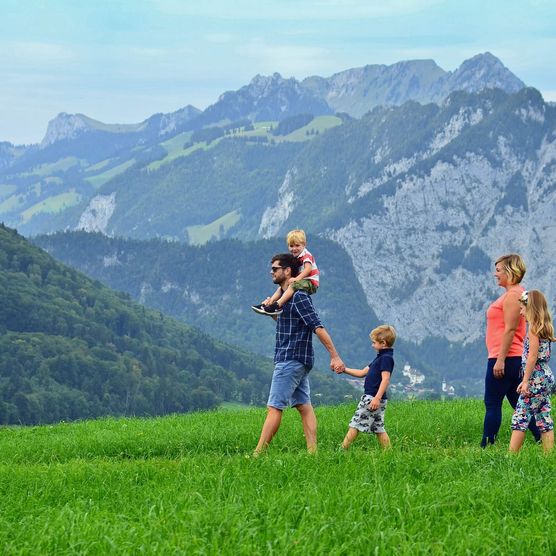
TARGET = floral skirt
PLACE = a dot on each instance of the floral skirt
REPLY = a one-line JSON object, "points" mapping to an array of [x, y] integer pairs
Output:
{"points": [[537, 404]]}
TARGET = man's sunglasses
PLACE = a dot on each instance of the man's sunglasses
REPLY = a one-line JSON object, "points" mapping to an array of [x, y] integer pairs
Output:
{"points": [[275, 268]]}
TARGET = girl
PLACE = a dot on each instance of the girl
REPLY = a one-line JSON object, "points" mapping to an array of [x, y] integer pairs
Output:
{"points": [[538, 381]]}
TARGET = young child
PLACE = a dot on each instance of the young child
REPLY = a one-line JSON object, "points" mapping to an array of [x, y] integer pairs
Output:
{"points": [[369, 415], [538, 381], [307, 278]]}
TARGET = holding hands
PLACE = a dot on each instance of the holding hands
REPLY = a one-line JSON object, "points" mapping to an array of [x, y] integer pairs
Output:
{"points": [[337, 365]]}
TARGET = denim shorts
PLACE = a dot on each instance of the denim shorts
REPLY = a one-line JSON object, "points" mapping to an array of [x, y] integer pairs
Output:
{"points": [[290, 385]]}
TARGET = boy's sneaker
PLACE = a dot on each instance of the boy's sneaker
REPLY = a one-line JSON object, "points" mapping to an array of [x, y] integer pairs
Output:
{"points": [[272, 310], [259, 309]]}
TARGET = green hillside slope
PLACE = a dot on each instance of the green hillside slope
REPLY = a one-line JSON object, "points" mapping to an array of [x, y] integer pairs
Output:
{"points": [[212, 287], [82, 167], [71, 348]]}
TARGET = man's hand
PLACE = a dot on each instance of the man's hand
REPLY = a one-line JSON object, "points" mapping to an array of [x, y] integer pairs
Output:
{"points": [[375, 404], [337, 365]]}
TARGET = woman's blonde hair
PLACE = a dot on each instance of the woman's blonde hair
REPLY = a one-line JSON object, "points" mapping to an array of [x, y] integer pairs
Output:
{"points": [[514, 267], [538, 314], [296, 236], [384, 333]]}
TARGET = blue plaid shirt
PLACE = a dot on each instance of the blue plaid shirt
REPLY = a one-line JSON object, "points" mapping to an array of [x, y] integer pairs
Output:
{"points": [[294, 330]]}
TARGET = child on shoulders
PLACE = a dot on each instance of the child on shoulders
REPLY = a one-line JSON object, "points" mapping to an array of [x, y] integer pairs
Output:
{"points": [[306, 280], [369, 415]]}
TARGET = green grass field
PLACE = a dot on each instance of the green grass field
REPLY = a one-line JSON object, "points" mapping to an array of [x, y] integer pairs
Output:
{"points": [[100, 179], [320, 124], [52, 204], [61, 165], [11, 203], [199, 235], [187, 485]]}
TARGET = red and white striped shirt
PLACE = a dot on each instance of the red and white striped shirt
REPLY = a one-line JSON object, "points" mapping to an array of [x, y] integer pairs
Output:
{"points": [[306, 257]]}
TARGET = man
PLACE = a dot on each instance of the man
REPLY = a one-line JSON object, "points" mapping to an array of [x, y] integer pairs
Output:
{"points": [[293, 357]]}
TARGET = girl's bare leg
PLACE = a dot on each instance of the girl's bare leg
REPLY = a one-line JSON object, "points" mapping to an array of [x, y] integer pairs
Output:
{"points": [[547, 439], [516, 441]]}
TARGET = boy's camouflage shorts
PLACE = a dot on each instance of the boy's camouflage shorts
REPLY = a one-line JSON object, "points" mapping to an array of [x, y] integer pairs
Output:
{"points": [[365, 420]]}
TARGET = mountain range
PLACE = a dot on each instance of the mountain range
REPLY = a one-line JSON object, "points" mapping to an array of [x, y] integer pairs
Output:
{"points": [[48, 186], [423, 176]]}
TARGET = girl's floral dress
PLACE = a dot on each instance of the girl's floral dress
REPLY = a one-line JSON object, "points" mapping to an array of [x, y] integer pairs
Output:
{"points": [[541, 385]]}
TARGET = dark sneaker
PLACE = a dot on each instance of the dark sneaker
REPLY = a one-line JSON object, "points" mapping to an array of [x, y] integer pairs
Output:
{"points": [[259, 309], [272, 310]]}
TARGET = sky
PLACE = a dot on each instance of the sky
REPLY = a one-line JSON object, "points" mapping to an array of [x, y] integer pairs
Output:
{"points": [[120, 61]]}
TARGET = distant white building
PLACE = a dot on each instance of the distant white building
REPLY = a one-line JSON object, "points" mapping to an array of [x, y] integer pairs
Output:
{"points": [[414, 376], [447, 388]]}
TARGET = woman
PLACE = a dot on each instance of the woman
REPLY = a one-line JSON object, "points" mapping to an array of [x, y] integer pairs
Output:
{"points": [[505, 333]]}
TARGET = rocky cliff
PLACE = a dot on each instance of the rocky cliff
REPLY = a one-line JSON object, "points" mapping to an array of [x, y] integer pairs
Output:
{"points": [[424, 214]]}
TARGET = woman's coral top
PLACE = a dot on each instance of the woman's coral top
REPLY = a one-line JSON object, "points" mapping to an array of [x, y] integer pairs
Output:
{"points": [[495, 327]]}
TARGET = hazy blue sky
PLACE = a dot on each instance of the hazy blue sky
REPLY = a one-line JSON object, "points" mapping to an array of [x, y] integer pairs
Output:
{"points": [[120, 61]]}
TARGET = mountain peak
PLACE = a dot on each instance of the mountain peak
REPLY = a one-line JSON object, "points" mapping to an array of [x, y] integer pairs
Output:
{"points": [[262, 85], [484, 71], [165, 124], [65, 126]]}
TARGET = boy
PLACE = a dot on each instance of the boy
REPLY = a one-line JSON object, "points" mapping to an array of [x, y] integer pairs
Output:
{"points": [[369, 415], [307, 278]]}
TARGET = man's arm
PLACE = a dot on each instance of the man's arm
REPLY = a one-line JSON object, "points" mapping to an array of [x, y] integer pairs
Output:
{"points": [[275, 297], [336, 363], [303, 306]]}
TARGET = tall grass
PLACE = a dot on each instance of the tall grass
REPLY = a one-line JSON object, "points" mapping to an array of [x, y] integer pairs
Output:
{"points": [[187, 485]]}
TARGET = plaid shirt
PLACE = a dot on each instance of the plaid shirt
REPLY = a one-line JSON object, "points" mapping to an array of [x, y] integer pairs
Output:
{"points": [[294, 330]]}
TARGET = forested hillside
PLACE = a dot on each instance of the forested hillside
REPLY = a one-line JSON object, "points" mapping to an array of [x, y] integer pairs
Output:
{"points": [[212, 287], [71, 348]]}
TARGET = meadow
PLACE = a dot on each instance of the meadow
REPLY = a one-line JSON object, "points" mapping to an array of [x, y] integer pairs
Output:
{"points": [[186, 484]]}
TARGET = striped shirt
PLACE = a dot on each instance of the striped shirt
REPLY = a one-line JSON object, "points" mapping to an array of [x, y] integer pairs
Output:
{"points": [[294, 330], [306, 257]]}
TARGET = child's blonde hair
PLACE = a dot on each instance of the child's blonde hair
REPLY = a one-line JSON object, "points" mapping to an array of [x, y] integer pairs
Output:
{"points": [[296, 236], [514, 267], [384, 333], [538, 314]]}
